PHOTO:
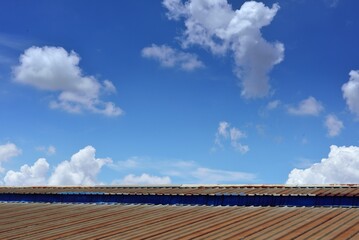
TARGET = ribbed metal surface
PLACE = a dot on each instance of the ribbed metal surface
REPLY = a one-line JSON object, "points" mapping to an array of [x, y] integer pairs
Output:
{"points": [[88, 221], [209, 200], [282, 190]]}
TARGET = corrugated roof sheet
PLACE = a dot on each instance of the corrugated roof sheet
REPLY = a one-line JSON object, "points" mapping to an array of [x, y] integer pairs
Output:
{"points": [[89, 221], [282, 190], [33, 220]]}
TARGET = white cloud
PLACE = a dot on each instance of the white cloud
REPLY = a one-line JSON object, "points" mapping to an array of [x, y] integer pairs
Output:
{"points": [[8, 151], [191, 172], [273, 105], [50, 150], [341, 166], [144, 179], [109, 87], [54, 69], [233, 135], [169, 57], [351, 92], [82, 169], [28, 175], [207, 175], [214, 25], [334, 125], [307, 107], [131, 163], [166, 172]]}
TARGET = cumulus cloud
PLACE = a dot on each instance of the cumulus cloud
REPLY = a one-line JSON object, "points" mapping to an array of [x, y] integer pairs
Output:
{"points": [[226, 133], [334, 125], [8, 151], [214, 25], [81, 169], [28, 175], [341, 166], [54, 69], [144, 179], [307, 107], [351, 92], [169, 57]]}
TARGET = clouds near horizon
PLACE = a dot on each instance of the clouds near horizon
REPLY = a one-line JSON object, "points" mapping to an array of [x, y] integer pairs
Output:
{"points": [[143, 179], [170, 171], [84, 167], [34, 175], [53, 69], [341, 166], [81, 169]]}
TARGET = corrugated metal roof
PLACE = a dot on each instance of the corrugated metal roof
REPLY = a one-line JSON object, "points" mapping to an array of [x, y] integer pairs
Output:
{"points": [[281, 190], [89, 221], [181, 218], [298, 200]]}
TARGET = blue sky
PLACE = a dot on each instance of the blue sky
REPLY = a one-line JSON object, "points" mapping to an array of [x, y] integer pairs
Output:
{"points": [[171, 92]]}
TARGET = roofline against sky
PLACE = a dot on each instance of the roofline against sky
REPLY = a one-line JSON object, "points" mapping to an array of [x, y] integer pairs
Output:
{"points": [[193, 185]]}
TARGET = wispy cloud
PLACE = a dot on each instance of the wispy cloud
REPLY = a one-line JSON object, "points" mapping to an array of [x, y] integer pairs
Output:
{"points": [[50, 150], [307, 107], [331, 3], [13, 42], [273, 105], [334, 125], [169, 57], [143, 179], [227, 133], [170, 171]]}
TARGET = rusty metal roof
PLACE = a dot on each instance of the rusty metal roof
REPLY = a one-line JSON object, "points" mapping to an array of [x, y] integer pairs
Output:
{"points": [[281, 190], [45, 220], [91, 221]]}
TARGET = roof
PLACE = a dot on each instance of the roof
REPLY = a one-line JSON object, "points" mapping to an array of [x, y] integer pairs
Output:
{"points": [[37, 218], [90, 221], [283, 190]]}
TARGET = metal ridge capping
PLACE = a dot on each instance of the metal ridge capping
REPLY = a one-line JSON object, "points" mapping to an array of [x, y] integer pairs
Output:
{"points": [[214, 195]]}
